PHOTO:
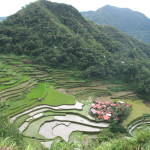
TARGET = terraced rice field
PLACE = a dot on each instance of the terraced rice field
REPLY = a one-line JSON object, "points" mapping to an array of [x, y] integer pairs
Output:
{"points": [[49, 105]]}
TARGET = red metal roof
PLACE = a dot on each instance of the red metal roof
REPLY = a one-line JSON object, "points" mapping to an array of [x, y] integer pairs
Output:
{"points": [[113, 104], [107, 102], [106, 117], [100, 117], [99, 112], [127, 105], [99, 107], [94, 106]]}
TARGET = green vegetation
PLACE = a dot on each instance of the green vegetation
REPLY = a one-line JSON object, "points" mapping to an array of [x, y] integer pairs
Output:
{"points": [[131, 22], [119, 88], [9, 135], [41, 90], [33, 128], [55, 98], [107, 140], [62, 145], [65, 58], [24, 78], [49, 96], [139, 141], [7, 143], [21, 120], [138, 110], [38, 92], [58, 36], [11, 139]]}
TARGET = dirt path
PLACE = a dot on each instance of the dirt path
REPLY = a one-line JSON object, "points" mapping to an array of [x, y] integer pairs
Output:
{"points": [[73, 91], [101, 87], [122, 93], [117, 94], [104, 99]]}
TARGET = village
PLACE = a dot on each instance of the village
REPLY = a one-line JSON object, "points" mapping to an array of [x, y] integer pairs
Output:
{"points": [[107, 111]]}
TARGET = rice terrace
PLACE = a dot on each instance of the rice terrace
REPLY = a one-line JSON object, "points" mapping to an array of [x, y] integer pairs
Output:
{"points": [[48, 104], [70, 83]]}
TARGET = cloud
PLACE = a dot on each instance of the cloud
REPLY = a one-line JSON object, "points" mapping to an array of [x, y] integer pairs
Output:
{"points": [[9, 7]]}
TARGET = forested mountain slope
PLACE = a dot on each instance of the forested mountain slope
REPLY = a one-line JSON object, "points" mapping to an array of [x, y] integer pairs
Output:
{"points": [[131, 22], [57, 35]]}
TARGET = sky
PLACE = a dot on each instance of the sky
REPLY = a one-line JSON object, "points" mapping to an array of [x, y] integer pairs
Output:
{"points": [[9, 7]]}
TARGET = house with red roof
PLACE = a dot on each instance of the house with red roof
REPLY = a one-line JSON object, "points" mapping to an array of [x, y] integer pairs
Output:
{"points": [[100, 117], [107, 110], [105, 117], [112, 104], [127, 105], [107, 103], [99, 107], [99, 112], [104, 106], [94, 106], [93, 111]]}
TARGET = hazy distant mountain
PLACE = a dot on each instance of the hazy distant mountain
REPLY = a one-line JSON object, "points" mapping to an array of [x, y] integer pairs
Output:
{"points": [[2, 18], [131, 22]]}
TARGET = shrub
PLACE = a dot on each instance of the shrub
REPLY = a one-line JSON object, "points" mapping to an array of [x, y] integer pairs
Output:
{"points": [[9, 130]]}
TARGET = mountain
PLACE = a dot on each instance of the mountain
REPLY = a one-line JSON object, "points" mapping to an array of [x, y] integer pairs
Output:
{"points": [[2, 18], [131, 22], [58, 35]]}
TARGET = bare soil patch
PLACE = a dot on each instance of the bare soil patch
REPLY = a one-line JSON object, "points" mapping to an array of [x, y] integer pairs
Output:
{"points": [[147, 103], [104, 99], [101, 87], [117, 94], [122, 93]]}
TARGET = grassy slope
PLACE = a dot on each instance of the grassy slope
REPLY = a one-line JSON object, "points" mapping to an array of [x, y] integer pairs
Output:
{"points": [[24, 78], [55, 98], [51, 97], [38, 92], [35, 93], [33, 144], [138, 109]]}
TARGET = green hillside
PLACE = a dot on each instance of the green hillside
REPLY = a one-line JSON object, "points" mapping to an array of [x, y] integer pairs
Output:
{"points": [[31, 97], [131, 22], [54, 65], [57, 35]]}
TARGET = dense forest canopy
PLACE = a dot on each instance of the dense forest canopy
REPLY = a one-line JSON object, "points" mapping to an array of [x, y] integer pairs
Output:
{"points": [[57, 35], [131, 22]]}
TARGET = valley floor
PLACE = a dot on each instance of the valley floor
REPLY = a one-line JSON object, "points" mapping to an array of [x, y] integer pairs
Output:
{"points": [[52, 105]]}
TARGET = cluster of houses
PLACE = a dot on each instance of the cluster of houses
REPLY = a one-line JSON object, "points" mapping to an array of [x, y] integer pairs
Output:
{"points": [[107, 110]]}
